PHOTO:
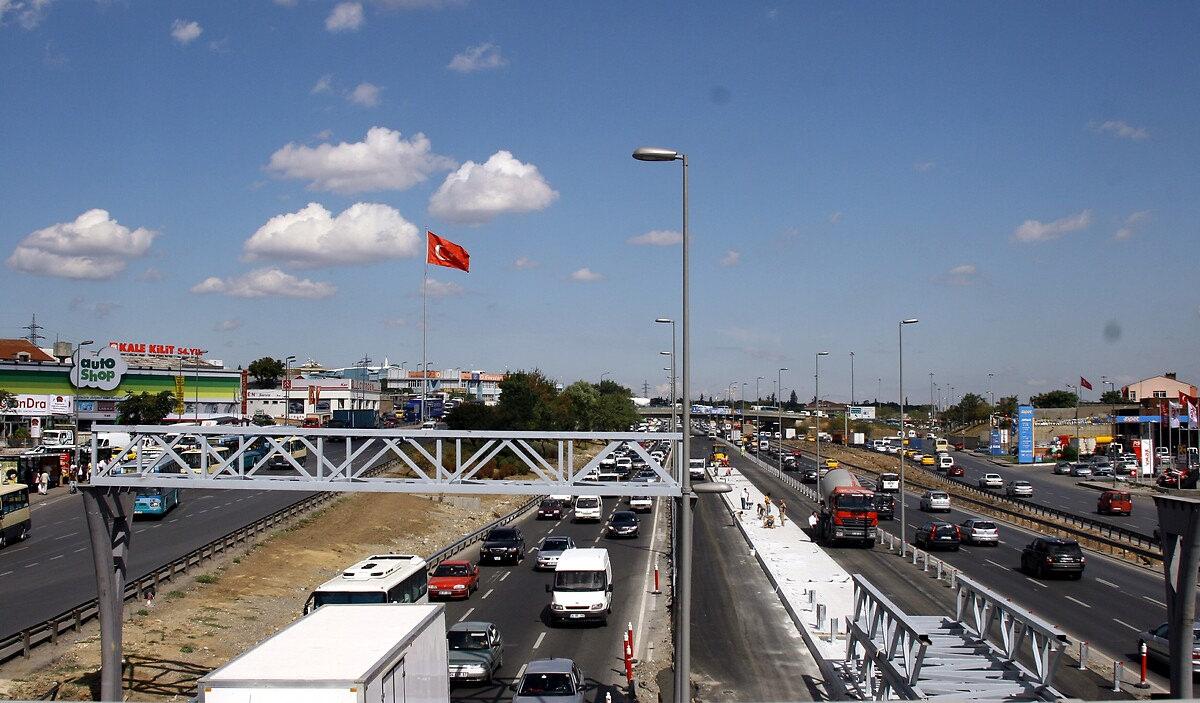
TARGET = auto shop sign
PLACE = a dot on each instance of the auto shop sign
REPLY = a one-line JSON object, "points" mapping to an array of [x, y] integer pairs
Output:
{"points": [[102, 370], [29, 405]]}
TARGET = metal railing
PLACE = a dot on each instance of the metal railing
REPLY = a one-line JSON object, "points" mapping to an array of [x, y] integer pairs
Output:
{"points": [[894, 665]]}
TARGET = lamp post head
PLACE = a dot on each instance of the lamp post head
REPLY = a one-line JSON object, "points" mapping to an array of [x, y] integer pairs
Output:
{"points": [[665, 353], [665, 321], [910, 321], [653, 153], [87, 342], [824, 353], [783, 369]]}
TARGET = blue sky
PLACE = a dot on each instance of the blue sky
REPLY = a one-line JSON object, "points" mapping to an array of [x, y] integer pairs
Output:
{"points": [[1020, 176]]}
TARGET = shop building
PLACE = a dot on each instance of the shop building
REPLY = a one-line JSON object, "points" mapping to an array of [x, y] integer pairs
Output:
{"points": [[317, 397]]}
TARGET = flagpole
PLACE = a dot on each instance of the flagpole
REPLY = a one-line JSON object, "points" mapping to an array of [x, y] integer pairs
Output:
{"points": [[424, 332]]}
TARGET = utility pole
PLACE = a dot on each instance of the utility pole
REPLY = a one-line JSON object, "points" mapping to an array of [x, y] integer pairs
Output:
{"points": [[34, 328]]}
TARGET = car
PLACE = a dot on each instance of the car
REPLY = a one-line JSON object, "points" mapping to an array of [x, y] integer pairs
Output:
{"points": [[1115, 503], [927, 460], [551, 549], [808, 475], [502, 544], [991, 480], [945, 462], [1062, 468], [549, 681], [831, 464], [623, 523], [935, 501], [641, 504], [550, 509], [476, 651], [646, 476], [588, 508], [1019, 489], [1053, 555], [453, 579], [956, 471], [889, 482], [1127, 467], [1103, 471], [936, 534], [1081, 470], [336, 425], [885, 506], [1158, 643], [976, 531]]}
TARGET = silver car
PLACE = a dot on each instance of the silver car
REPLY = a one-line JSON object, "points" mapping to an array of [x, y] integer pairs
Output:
{"points": [[551, 549], [1081, 470], [550, 681], [991, 481], [935, 501], [980, 532], [1158, 644], [1020, 489]]}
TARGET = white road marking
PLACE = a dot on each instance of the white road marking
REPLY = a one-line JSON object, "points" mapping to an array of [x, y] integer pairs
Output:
{"points": [[6, 573], [647, 580], [82, 549], [1158, 602], [538, 643], [521, 672], [69, 534], [1036, 583], [27, 566], [57, 556], [484, 596], [596, 541], [1107, 583], [1002, 566], [1131, 627], [1076, 600], [506, 573], [464, 615]]}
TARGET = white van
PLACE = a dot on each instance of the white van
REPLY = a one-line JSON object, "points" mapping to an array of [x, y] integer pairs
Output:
{"points": [[589, 508], [696, 468], [582, 589], [945, 461]]}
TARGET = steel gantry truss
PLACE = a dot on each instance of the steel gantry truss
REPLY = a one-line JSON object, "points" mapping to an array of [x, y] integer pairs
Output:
{"points": [[437, 461]]}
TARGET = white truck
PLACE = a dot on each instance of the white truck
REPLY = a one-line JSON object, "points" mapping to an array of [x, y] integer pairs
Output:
{"points": [[380, 653], [696, 468]]}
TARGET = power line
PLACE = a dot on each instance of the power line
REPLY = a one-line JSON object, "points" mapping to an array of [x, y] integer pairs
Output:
{"points": [[33, 328]]}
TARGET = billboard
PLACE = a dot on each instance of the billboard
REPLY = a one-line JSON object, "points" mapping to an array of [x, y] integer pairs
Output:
{"points": [[862, 412], [996, 446], [32, 404], [1025, 434]]}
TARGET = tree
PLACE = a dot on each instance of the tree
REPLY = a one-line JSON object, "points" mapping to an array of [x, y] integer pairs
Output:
{"points": [[1054, 399], [793, 402], [970, 410], [471, 416], [145, 408], [614, 414], [266, 372], [1007, 406], [1111, 397], [525, 402], [607, 387]]}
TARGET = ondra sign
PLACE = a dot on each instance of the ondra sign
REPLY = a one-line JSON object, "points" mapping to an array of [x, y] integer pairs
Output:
{"points": [[102, 370]]}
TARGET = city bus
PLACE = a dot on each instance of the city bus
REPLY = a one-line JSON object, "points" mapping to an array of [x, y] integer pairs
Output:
{"points": [[256, 449], [194, 458], [15, 522], [155, 501], [295, 447], [380, 578]]}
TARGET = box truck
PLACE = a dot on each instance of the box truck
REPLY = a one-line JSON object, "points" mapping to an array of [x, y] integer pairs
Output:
{"points": [[377, 653]]}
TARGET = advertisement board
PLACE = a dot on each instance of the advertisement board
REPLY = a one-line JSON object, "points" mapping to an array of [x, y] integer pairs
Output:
{"points": [[862, 412], [34, 404], [996, 446], [1025, 434]]}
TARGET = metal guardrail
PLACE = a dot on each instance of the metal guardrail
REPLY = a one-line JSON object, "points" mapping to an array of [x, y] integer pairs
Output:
{"points": [[895, 667]]}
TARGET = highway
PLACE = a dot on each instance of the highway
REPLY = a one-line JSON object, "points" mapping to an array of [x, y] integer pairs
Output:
{"points": [[1107, 607]]}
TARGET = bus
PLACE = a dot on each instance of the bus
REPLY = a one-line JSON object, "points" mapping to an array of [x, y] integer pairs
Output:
{"points": [[293, 446], [194, 458], [15, 522], [155, 501], [940, 446], [255, 449], [380, 578]]}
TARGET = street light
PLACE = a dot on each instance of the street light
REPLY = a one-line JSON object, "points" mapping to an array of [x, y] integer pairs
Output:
{"points": [[683, 634], [669, 321], [287, 388], [758, 413], [603, 374], [846, 415], [779, 407], [743, 409], [672, 370], [817, 400], [903, 435]]}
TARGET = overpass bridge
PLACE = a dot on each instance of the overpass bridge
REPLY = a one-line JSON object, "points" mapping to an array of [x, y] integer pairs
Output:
{"points": [[723, 413]]}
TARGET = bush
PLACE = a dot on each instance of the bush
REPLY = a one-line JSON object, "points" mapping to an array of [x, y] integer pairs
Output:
{"points": [[207, 578]]}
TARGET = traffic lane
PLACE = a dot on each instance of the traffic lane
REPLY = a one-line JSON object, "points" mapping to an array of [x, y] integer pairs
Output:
{"points": [[514, 598], [747, 647]]}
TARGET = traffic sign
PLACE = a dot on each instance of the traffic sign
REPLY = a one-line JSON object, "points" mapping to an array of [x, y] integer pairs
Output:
{"points": [[287, 384]]}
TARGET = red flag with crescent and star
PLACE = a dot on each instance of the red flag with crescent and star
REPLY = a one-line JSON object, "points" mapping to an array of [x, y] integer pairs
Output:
{"points": [[443, 252]]}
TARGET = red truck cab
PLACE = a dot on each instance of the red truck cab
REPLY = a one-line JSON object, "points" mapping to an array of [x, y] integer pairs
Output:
{"points": [[1115, 503]]}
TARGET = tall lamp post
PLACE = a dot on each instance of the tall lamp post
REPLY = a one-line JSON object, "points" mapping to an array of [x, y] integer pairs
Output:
{"points": [[758, 413], [743, 409], [817, 399], [903, 434], [779, 407], [75, 362], [669, 321], [846, 415], [287, 388], [683, 649]]}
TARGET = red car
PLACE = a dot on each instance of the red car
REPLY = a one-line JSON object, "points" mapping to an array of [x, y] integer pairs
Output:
{"points": [[453, 579], [955, 470], [1115, 503]]}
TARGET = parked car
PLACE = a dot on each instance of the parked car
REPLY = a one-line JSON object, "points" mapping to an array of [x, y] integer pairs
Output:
{"points": [[549, 681], [936, 534], [935, 501], [991, 481], [1019, 489], [453, 579], [623, 523], [551, 549], [956, 471], [1158, 643], [502, 544], [977, 531], [550, 509], [476, 651], [1081, 470], [1115, 503], [1103, 471], [1062, 468], [1053, 555]]}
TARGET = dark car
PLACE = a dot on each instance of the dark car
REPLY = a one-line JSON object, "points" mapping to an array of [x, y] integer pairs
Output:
{"points": [[885, 506], [336, 425], [476, 651], [502, 544], [936, 534], [623, 523], [808, 475], [956, 471], [1051, 555], [550, 509]]}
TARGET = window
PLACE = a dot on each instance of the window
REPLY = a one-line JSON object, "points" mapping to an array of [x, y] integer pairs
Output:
{"points": [[1132, 396], [1160, 394], [14, 501], [410, 590]]}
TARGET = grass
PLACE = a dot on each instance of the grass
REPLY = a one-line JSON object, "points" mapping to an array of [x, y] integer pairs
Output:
{"points": [[175, 594], [143, 612], [187, 649], [207, 578]]}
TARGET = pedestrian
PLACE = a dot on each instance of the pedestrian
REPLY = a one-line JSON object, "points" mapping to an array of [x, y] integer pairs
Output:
{"points": [[43, 482], [745, 498], [769, 516], [759, 507], [812, 522], [782, 507]]}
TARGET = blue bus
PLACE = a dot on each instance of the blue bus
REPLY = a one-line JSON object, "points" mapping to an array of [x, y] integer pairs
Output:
{"points": [[155, 501]]}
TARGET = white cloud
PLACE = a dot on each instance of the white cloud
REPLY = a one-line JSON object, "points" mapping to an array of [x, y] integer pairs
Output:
{"points": [[586, 275], [1132, 224], [924, 166], [441, 289], [835, 217], [227, 325], [1037, 231], [361, 234], [151, 275], [478, 58], [185, 32], [476, 193], [962, 275], [93, 247], [96, 308], [1120, 128], [345, 17], [382, 161], [365, 94], [324, 84], [28, 13], [264, 283], [658, 238], [731, 258], [524, 263]]}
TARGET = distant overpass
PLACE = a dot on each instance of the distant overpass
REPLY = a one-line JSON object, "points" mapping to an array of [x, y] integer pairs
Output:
{"points": [[664, 411]]}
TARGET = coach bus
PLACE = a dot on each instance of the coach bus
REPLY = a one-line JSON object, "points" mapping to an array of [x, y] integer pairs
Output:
{"points": [[380, 578], [15, 519]]}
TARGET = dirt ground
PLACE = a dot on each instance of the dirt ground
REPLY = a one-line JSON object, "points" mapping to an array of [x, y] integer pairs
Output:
{"points": [[203, 619]]}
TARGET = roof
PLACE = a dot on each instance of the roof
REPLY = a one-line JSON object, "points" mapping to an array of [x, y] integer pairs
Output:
{"points": [[10, 348], [590, 559], [454, 562], [549, 666], [334, 643], [469, 626]]}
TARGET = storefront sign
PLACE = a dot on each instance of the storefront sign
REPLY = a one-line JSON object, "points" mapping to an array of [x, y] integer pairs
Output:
{"points": [[1025, 434], [102, 370], [149, 349], [26, 404], [996, 447]]}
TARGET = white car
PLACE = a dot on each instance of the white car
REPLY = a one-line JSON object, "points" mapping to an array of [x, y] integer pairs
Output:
{"points": [[990, 481], [934, 501], [589, 508], [641, 504], [1020, 489]]}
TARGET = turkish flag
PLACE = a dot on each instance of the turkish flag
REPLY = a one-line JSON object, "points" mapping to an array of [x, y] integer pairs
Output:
{"points": [[443, 252], [1084, 382]]}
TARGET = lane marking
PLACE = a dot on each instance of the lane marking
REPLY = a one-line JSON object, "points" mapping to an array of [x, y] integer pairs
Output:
{"points": [[596, 541], [6, 573], [81, 549], [1002, 566], [58, 556], [464, 615], [484, 596], [29, 566], [1131, 627], [1157, 602], [506, 573], [541, 636], [1076, 600], [521, 671], [1036, 583], [1107, 583], [69, 534]]}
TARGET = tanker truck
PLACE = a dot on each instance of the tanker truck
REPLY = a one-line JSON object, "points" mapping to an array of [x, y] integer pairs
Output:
{"points": [[847, 510]]}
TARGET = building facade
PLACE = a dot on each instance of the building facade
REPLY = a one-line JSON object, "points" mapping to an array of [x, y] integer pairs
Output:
{"points": [[317, 397], [1166, 386]]}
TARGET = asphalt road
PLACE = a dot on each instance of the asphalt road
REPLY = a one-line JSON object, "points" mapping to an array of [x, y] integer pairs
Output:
{"points": [[1108, 607]]}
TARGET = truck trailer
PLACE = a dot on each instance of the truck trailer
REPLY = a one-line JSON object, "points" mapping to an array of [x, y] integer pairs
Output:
{"points": [[377, 653], [847, 509]]}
